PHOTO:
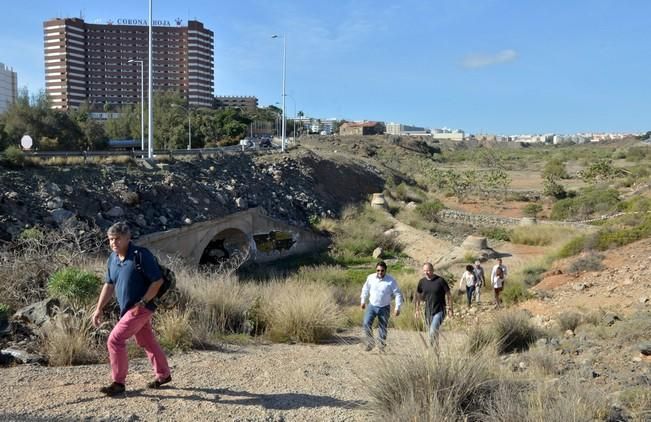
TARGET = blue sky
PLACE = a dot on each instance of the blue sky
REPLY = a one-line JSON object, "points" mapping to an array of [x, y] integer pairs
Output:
{"points": [[485, 66]]}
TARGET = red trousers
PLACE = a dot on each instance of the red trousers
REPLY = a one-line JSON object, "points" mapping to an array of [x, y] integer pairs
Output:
{"points": [[139, 326]]}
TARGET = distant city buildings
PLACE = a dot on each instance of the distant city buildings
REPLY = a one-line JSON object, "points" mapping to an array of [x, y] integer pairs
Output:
{"points": [[448, 134], [249, 104], [90, 62], [361, 128], [8, 87], [400, 129]]}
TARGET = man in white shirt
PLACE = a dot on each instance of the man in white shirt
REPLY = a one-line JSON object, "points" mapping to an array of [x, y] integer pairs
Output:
{"points": [[502, 266], [378, 290]]}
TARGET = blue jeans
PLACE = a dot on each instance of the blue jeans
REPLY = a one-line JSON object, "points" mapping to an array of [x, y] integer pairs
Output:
{"points": [[469, 292], [382, 313], [434, 326]]}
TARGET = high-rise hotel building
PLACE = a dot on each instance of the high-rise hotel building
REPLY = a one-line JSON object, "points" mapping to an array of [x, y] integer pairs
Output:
{"points": [[90, 62], [8, 87]]}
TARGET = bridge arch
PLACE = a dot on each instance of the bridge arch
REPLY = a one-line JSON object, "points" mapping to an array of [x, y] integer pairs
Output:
{"points": [[225, 244]]}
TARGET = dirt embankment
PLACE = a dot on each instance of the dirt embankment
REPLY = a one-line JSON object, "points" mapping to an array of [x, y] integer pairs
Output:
{"points": [[290, 187]]}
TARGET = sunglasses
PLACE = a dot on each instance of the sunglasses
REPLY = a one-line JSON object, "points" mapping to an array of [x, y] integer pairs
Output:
{"points": [[380, 271]]}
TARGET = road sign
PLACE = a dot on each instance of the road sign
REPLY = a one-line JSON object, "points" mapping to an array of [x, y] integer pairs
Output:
{"points": [[26, 142]]}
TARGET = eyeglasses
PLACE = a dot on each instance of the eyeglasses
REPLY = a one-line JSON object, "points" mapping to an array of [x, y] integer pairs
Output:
{"points": [[380, 271]]}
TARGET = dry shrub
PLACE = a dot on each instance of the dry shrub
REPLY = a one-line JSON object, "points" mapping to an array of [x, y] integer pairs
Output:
{"points": [[570, 400], [514, 331], [299, 311], [426, 386], [637, 400], [588, 262], [540, 234], [71, 339], [479, 339], [216, 301], [174, 329], [453, 385], [26, 266], [543, 361], [569, 320]]}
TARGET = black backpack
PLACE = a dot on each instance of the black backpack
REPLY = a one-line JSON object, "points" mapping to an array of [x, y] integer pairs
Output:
{"points": [[168, 276]]}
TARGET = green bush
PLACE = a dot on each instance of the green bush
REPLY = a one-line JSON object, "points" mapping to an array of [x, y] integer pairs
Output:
{"points": [[532, 275], [515, 292], [573, 247], [74, 285], [590, 201], [14, 156], [4, 311], [612, 236], [405, 193], [514, 332], [532, 210], [636, 204], [429, 210], [361, 230], [497, 233], [32, 233]]}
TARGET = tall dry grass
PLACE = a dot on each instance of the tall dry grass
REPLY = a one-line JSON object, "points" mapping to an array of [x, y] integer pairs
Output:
{"points": [[300, 311], [217, 303], [70, 338], [454, 386], [541, 234]]}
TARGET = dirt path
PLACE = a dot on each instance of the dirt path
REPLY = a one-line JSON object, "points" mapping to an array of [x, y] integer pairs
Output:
{"points": [[419, 245], [275, 382]]}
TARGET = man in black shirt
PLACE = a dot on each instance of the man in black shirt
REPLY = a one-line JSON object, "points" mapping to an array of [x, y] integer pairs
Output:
{"points": [[434, 291]]}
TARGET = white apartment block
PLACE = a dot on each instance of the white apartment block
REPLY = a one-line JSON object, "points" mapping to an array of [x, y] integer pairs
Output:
{"points": [[8, 87], [400, 129]]}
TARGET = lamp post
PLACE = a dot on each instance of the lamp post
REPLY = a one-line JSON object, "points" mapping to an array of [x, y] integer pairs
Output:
{"points": [[282, 145], [142, 101], [187, 109], [150, 90], [294, 101]]}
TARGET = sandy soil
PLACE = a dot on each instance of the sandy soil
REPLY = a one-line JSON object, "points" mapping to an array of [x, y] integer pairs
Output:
{"points": [[273, 382]]}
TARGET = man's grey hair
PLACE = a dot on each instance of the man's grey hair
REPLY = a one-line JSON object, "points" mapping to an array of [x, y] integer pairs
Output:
{"points": [[429, 265], [119, 229]]}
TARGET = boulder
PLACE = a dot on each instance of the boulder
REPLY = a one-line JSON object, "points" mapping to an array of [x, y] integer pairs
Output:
{"points": [[115, 212], [645, 348], [377, 253], [60, 215], [22, 356], [378, 201], [38, 313]]}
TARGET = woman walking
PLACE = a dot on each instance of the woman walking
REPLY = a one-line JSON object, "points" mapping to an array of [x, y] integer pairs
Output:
{"points": [[469, 281]]}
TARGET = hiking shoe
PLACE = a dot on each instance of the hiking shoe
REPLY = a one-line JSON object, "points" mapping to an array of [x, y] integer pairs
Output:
{"points": [[157, 384], [112, 390]]}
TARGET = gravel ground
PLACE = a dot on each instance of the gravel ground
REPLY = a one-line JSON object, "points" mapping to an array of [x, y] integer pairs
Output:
{"points": [[275, 382]]}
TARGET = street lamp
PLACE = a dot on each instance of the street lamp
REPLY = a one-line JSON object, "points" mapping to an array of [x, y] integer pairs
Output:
{"points": [[187, 109], [282, 145], [150, 90], [294, 101], [142, 101]]}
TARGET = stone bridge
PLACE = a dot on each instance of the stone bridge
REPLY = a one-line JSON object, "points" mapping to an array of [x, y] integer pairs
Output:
{"points": [[251, 231]]}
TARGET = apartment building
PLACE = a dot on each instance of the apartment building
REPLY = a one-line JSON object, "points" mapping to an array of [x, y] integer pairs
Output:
{"points": [[249, 104], [8, 87], [90, 62]]}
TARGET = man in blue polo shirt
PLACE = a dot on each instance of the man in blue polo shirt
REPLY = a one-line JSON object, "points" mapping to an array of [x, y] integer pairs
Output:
{"points": [[135, 290]]}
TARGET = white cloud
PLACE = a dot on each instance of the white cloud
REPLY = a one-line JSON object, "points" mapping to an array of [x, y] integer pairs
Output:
{"points": [[475, 61]]}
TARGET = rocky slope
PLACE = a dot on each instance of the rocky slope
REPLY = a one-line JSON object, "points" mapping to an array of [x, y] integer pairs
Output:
{"points": [[291, 187]]}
